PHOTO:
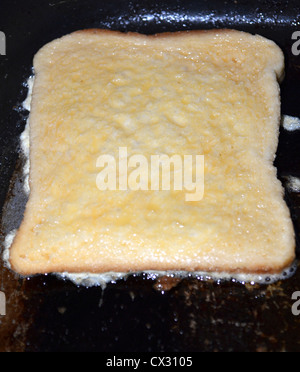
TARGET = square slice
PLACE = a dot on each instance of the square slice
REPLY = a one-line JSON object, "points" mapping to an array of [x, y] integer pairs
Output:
{"points": [[214, 94]]}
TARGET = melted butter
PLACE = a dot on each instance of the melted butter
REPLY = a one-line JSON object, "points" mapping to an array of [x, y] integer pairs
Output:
{"points": [[102, 280], [7, 244], [26, 104]]}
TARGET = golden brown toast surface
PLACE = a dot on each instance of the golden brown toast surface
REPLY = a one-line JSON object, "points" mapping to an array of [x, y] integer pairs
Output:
{"points": [[200, 93]]}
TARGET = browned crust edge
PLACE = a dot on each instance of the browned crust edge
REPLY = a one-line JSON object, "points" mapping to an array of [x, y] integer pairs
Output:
{"points": [[100, 269], [161, 35]]}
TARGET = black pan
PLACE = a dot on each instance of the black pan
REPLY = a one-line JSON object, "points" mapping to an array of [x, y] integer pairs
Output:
{"points": [[47, 314]]}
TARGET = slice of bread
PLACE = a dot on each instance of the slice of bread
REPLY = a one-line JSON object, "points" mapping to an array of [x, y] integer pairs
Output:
{"points": [[213, 93]]}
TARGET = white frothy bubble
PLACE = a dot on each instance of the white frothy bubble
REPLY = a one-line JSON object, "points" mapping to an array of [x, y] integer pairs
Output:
{"points": [[293, 184], [290, 123], [102, 280]]}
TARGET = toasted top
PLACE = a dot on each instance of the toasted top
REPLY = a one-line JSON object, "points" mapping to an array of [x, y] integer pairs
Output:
{"points": [[210, 93]]}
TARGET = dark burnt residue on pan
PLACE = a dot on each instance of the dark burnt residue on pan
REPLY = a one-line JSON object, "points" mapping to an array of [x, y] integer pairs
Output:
{"points": [[141, 313]]}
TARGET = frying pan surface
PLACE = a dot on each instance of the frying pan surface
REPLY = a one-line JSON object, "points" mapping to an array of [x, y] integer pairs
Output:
{"points": [[140, 314]]}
